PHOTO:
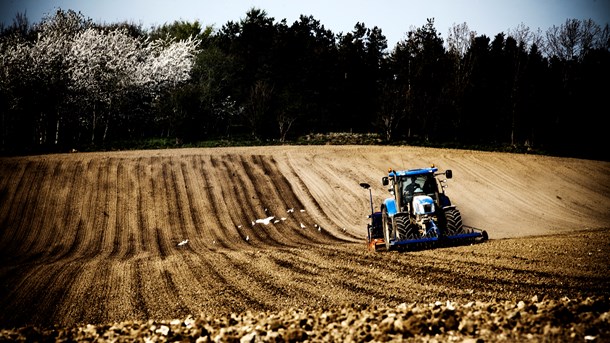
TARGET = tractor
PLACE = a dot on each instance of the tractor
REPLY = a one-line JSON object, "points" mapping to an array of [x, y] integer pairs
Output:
{"points": [[418, 214]]}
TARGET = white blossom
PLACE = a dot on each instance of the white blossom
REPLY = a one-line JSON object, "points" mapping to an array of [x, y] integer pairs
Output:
{"points": [[166, 65], [103, 63]]}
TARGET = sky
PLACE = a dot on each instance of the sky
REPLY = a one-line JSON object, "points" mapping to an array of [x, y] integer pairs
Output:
{"points": [[394, 17]]}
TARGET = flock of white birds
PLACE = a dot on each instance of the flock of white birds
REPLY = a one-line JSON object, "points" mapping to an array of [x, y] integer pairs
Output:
{"points": [[266, 221]]}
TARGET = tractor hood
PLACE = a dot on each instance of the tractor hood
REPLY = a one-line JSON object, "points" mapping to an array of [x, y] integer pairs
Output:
{"points": [[423, 204]]}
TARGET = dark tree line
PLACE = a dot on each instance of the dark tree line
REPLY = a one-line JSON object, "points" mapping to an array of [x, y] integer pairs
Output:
{"points": [[270, 80]]}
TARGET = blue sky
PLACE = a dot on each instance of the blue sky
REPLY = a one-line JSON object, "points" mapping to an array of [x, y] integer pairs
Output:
{"points": [[394, 17]]}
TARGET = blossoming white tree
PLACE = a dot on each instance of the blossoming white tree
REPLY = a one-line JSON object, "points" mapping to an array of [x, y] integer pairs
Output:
{"points": [[101, 67], [88, 71], [165, 65], [105, 65], [34, 72]]}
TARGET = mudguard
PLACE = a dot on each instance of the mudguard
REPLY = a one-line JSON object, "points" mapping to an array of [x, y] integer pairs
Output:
{"points": [[390, 205], [444, 201]]}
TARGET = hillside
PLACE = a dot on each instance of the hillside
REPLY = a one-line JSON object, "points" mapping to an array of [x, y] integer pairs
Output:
{"points": [[107, 237]]}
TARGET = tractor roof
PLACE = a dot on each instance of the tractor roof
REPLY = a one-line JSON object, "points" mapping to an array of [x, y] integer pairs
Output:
{"points": [[413, 172]]}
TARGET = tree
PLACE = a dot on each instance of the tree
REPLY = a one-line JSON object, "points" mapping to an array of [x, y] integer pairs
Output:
{"points": [[424, 54], [304, 76], [459, 40], [36, 76], [375, 49], [162, 73], [537, 108], [101, 67], [249, 44], [166, 65], [20, 28], [391, 109], [574, 38], [106, 65], [361, 55], [459, 43], [258, 106], [180, 30], [526, 71], [517, 55], [213, 75], [15, 79], [478, 97], [352, 95], [525, 37]]}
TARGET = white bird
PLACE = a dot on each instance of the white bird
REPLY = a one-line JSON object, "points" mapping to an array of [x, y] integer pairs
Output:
{"points": [[302, 210], [319, 228], [450, 306], [239, 226], [283, 218], [290, 210], [276, 221], [247, 238], [302, 226], [265, 221], [253, 223], [183, 242]]}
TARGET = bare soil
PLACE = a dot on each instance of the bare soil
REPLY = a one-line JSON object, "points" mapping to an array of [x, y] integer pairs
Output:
{"points": [[150, 236]]}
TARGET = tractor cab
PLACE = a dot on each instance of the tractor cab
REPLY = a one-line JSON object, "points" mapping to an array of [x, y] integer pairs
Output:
{"points": [[408, 185], [416, 185]]}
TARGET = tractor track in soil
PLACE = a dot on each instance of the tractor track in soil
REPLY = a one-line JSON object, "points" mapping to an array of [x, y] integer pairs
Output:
{"points": [[100, 237]]}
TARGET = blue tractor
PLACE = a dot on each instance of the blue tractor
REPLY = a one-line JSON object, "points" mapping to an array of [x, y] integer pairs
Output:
{"points": [[419, 213]]}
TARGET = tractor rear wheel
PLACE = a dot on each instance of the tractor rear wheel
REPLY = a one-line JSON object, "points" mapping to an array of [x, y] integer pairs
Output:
{"points": [[454, 222]]}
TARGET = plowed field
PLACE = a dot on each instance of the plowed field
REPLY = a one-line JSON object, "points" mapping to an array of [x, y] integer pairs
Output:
{"points": [[106, 237]]}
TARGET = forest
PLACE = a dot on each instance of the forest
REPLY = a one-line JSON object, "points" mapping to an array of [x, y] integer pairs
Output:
{"points": [[68, 83]]}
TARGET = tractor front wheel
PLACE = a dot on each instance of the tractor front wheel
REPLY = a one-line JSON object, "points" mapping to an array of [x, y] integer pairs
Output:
{"points": [[387, 227], [404, 228], [454, 222]]}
